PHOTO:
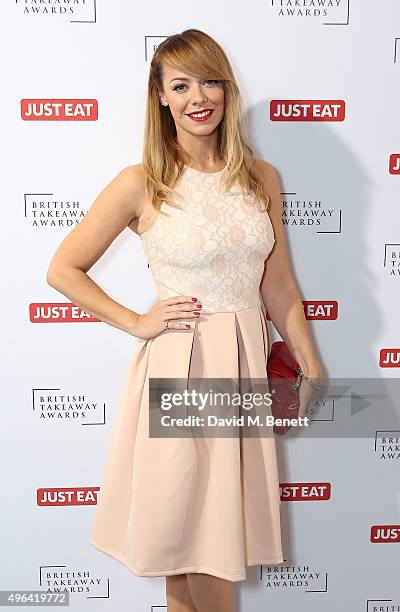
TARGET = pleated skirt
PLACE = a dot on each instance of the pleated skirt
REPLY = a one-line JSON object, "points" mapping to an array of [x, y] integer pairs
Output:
{"points": [[190, 505]]}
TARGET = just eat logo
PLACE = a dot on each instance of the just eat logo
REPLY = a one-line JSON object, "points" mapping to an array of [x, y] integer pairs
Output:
{"points": [[385, 533], [394, 163], [67, 496], [48, 109], [389, 358], [305, 491], [59, 313], [318, 310], [307, 110]]}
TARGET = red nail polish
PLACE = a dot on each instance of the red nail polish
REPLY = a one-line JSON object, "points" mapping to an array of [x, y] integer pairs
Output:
{"points": [[194, 299], [198, 306]]}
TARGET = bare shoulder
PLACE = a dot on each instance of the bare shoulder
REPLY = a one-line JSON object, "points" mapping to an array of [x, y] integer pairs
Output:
{"points": [[265, 170], [133, 173], [131, 183]]}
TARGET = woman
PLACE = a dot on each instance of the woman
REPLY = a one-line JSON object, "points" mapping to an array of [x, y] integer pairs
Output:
{"points": [[195, 510]]}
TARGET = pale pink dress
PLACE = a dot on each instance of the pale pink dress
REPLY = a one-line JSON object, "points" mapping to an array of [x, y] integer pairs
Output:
{"points": [[184, 505]]}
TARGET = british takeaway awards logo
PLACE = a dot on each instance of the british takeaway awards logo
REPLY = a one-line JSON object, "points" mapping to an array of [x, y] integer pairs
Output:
{"points": [[329, 12], [78, 11], [44, 210], [54, 405]]}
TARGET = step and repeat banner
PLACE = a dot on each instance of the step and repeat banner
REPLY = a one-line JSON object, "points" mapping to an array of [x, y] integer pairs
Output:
{"points": [[320, 86]]}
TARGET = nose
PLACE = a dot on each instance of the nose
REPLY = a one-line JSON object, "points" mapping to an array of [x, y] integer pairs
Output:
{"points": [[199, 95]]}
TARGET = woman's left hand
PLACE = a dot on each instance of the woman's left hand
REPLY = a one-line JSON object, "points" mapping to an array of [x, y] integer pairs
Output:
{"points": [[307, 394]]}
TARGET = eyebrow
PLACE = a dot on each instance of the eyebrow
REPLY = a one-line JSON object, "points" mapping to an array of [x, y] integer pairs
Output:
{"points": [[179, 79]]}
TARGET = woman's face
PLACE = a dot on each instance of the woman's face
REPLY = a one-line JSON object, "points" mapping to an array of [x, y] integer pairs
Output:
{"points": [[187, 94]]}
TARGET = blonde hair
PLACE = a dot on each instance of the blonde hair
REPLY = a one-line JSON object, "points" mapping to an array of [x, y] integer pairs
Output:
{"points": [[194, 52]]}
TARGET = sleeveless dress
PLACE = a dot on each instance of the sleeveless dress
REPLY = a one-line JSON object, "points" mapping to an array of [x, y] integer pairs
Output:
{"points": [[196, 505]]}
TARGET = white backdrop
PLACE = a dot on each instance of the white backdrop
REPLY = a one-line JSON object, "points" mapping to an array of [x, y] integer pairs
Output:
{"points": [[62, 374]]}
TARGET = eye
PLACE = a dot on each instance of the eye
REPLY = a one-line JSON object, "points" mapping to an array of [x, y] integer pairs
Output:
{"points": [[177, 87]]}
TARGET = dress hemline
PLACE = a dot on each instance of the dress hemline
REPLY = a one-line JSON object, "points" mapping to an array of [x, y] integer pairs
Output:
{"points": [[232, 576]]}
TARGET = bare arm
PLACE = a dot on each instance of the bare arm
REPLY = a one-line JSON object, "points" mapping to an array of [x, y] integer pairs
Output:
{"points": [[278, 287], [107, 217]]}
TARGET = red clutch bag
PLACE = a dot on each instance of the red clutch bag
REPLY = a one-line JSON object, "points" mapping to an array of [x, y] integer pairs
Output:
{"points": [[284, 382]]}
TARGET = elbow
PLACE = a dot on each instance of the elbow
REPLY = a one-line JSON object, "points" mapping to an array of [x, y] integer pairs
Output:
{"points": [[52, 273], [54, 276], [56, 272], [59, 276], [51, 278]]}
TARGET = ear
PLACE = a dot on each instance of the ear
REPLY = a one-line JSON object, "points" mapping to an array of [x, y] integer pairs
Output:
{"points": [[161, 96]]}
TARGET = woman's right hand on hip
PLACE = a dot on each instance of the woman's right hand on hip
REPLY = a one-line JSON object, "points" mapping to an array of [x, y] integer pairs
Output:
{"points": [[171, 309]]}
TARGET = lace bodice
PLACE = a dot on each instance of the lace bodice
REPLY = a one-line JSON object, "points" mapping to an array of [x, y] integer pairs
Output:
{"points": [[213, 248]]}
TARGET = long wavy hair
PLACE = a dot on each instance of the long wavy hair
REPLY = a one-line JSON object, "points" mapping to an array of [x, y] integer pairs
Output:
{"points": [[195, 52]]}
